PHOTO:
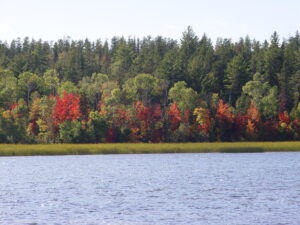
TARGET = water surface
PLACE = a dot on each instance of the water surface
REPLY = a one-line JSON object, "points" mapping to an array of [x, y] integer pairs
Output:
{"points": [[214, 188]]}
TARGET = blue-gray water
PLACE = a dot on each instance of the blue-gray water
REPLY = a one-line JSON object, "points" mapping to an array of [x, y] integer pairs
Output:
{"points": [[262, 188]]}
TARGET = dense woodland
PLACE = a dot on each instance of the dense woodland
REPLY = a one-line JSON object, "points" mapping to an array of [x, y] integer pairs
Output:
{"points": [[150, 90]]}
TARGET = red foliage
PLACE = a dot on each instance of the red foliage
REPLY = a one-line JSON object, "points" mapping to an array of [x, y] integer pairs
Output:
{"points": [[111, 135], [205, 127], [296, 122], [241, 122], [284, 117], [33, 128], [174, 116], [156, 116], [224, 112], [121, 117], [203, 119], [186, 116], [13, 106], [122, 114], [142, 113], [67, 108], [224, 120], [156, 112]]}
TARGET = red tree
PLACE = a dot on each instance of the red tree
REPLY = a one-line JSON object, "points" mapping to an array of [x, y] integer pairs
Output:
{"points": [[142, 113], [225, 121], [224, 112], [67, 108], [174, 116], [284, 117]]}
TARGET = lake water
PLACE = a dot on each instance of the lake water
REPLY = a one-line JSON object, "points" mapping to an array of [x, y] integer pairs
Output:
{"points": [[257, 188]]}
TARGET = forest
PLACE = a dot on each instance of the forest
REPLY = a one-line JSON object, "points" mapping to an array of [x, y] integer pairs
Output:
{"points": [[153, 89]]}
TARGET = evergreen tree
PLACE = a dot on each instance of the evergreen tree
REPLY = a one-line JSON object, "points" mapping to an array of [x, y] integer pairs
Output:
{"points": [[237, 74]]}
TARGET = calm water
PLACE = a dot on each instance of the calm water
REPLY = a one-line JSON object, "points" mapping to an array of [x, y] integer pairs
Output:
{"points": [[261, 188]]}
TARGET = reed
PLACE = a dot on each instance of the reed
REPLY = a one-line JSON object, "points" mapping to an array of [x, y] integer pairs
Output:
{"points": [[145, 148]]}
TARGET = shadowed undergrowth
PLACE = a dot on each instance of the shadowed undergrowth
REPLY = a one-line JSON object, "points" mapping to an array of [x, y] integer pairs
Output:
{"points": [[143, 148]]}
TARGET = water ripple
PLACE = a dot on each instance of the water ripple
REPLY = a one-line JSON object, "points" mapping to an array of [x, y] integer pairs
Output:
{"points": [[151, 189]]}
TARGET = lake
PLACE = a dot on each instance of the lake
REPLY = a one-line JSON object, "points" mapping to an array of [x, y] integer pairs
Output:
{"points": [[213, 188]]}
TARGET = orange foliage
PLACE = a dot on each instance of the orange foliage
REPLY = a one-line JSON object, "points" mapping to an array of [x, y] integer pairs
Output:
{"points": [[33, 128], [253, 112], [224, 112], [251, 128], [67, 108], [174, 116]]}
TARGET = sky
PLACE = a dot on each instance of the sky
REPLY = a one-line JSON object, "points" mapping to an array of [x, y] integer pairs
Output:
{"points": [[51, 20]]}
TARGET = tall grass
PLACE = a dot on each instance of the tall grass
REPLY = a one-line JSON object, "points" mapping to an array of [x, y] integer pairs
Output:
{"points": [[143, 148]]}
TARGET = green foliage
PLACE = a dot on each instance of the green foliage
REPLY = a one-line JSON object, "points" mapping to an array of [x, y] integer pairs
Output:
{"points": [[28, 83], [8, 86], [181, 134], [150, 55], [294, 87], [124, 89], [263, 95], [69, 131], [143, 87], [273, 60], [92, 88], [51, 82], [68, 87], [200, 64], [243, 103], [237, 74], [169, 68], [269, 103], [185, 98], [97, 127], [13, 124], [122, 61], [295, 113]]}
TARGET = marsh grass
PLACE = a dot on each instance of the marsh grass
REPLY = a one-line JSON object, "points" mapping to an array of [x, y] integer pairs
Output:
{"points": [[143, 148]]}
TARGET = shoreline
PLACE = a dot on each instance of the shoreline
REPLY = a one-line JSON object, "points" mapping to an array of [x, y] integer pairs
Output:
{"points": [[146, 148]]}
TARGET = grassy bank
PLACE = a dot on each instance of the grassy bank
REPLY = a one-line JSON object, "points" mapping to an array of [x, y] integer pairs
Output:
{"points": [[140, 148]]}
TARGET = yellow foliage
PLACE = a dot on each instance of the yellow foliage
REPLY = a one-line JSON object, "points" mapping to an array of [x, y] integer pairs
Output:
{"points": [[283, 125], [42, 126], [158, 125], [203, 119], [202, 115], [6, 114]]}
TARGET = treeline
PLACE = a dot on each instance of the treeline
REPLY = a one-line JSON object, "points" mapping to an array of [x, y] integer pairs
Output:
{"points": [[150, 90]]}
